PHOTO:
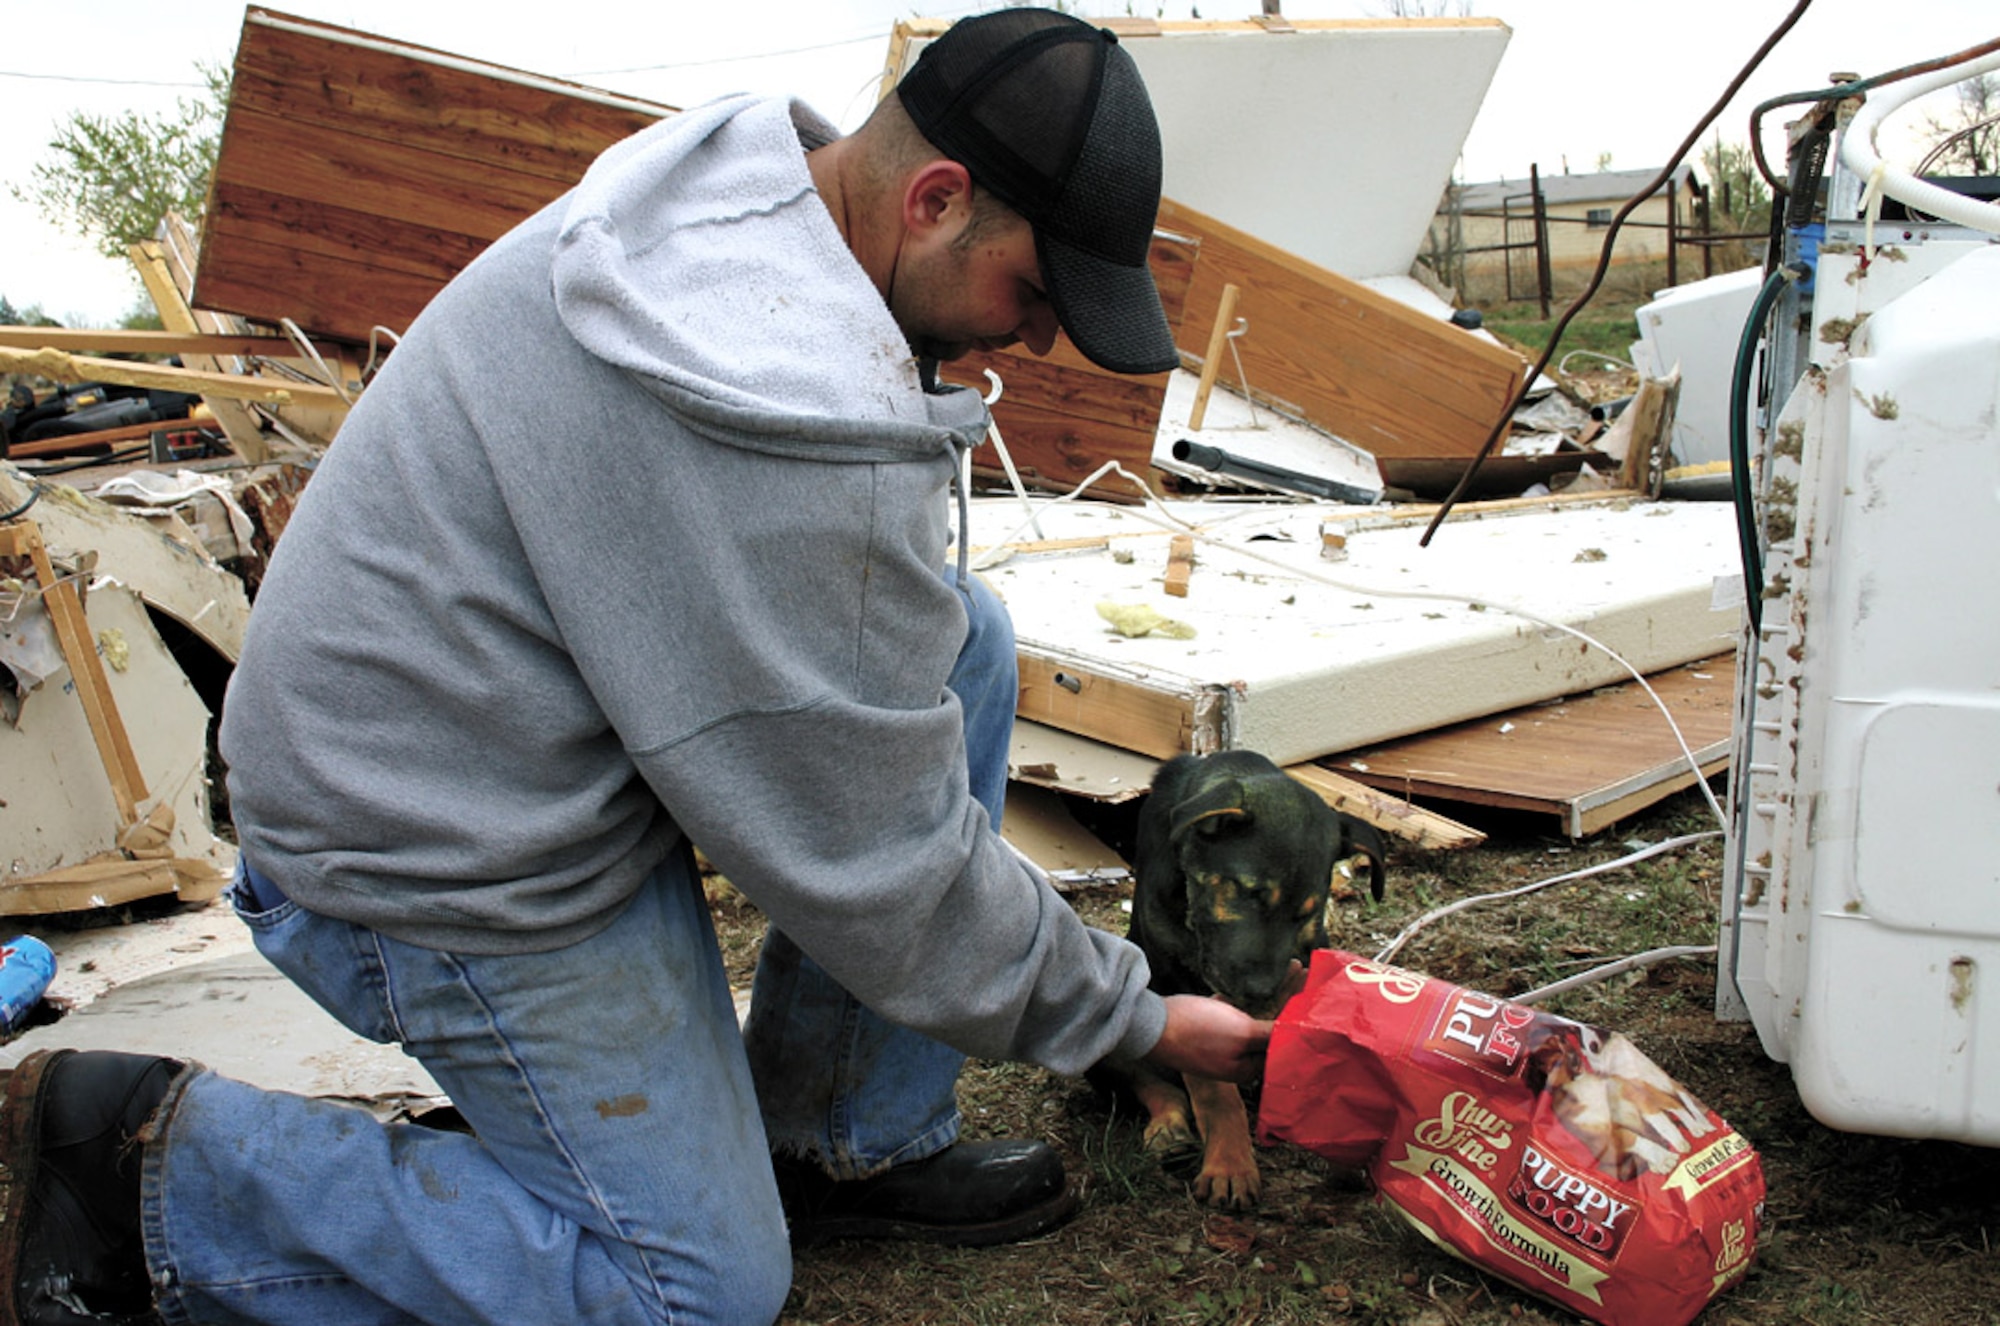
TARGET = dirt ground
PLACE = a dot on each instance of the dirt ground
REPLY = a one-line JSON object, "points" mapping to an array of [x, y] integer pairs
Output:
{"points": [[1858, 1229]]}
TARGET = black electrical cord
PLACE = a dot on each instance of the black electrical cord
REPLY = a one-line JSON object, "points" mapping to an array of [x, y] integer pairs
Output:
{"points": [[34, 496], [1841, 91], [1739, 436], [86, 462], [1604, 263]]}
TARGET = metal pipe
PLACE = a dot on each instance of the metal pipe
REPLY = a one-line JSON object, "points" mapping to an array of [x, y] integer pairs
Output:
{"points": [[1217, 461]]}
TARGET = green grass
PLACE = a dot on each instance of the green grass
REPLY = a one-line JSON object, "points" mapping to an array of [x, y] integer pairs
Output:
{"points": [[1608, 328]]}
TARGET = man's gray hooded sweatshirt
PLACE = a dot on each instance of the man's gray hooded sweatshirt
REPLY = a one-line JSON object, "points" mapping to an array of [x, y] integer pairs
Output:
{"points": [[637, 535]]}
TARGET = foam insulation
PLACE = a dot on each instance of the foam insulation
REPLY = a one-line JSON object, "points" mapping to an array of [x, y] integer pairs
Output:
{"points": [[1333, 143], [1312, 656], [56, 806]]}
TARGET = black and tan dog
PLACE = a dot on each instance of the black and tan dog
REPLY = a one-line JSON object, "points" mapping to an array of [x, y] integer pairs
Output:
{"points": [[1232, 869]]}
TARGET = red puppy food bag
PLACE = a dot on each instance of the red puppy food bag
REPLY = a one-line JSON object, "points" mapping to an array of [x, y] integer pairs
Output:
{"points": [[1550, 1153]]}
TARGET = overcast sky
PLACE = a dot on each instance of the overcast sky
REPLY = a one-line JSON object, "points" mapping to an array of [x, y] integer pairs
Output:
{"points": [[1580, 78]]}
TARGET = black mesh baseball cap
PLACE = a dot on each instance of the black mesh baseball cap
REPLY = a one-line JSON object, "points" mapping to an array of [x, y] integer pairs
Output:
{"points": [[1050, 115]]}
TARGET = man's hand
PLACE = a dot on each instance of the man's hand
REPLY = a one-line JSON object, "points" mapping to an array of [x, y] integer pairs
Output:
{"points": [[1209, 1038]]}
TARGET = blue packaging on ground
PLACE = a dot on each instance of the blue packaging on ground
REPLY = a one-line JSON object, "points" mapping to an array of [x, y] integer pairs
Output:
{"points": [[26, 968]]}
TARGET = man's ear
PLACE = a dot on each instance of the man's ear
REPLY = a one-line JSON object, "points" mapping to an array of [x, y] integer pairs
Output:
{"points": [[938, 199]]}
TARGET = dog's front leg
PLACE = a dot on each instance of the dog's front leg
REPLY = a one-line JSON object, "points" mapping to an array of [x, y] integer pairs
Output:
{"points": [[1169, 1124], [1228, 1175]]}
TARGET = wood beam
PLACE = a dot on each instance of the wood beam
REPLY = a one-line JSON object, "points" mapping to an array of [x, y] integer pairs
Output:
{"points": [[67, 443], [239, 424], [1390, 814], [75, 340], [60, 367]]}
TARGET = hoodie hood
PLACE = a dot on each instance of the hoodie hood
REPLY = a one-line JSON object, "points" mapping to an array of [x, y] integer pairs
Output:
{"points": [[698, 255]]}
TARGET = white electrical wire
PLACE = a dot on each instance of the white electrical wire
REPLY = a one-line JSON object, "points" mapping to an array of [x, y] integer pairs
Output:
{"points": [[1167, 520], [1409, 931], [1858, 151], [305, 347], [18, 599], [1650, 957], [1235, 334], [1006, 457], [375, 334], [1562, 365]]}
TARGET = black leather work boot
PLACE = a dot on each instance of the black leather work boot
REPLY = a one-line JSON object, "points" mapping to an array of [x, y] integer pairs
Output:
{"points": [[71, 1251], [968, 1195]]}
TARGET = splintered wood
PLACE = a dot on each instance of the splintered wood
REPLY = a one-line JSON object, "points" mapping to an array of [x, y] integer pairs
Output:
{"points": [[1180, 564], [93, 690]]}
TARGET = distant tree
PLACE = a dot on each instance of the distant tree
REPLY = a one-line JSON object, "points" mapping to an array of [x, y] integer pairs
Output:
{"points": [[110, 179], [1425, 8], [1739, 201], [1966, 140], [30, 316], [1443, 250]]}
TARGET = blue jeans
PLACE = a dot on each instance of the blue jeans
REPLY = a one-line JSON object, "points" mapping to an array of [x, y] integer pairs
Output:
{"points": [[619, 1167]]}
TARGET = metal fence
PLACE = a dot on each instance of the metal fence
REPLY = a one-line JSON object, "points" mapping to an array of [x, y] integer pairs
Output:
{"points": [[1525, 227]]}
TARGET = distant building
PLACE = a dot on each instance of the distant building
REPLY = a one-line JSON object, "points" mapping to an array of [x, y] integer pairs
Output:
{"points": [[1475, 221]]}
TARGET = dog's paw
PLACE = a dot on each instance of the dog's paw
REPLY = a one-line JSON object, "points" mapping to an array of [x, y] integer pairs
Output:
{"points": [[1171, 1135], [1228, 1187]]}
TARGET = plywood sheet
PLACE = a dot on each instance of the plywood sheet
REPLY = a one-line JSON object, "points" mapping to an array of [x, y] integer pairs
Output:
{"points": [[1040, 827], [1346, 358], [358, 174], [1589, 759], [1056, 760]]}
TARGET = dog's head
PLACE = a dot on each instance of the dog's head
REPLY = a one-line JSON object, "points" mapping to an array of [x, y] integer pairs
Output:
{"points": [[1248, 861]]}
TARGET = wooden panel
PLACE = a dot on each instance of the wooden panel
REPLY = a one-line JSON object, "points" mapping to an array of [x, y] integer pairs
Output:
{"points": [[248, 214], [341, 297], [326, 166], [1589, 759], [357, 175], [1122, 713], [1360, 365], [424, 101]]}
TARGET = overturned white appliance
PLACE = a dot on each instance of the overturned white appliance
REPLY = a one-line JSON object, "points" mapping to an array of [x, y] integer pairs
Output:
{"points": [[1861, 915]]}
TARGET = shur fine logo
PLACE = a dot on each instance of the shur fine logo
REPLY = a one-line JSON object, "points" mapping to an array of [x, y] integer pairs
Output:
{"points": [[1456, 1153]]}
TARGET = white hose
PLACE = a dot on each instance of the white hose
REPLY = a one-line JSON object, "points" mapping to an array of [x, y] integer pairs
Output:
{"points": [[1858, 152]]}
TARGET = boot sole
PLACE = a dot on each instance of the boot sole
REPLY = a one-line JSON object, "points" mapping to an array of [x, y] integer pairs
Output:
{"points": [[1021, 1225], [20, 1152]]}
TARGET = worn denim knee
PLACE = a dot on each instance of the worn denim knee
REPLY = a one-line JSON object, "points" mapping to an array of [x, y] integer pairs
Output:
{"points": [[617, 1170]]}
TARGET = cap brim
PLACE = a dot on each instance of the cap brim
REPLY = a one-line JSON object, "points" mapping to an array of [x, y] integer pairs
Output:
{"points": [[1112, 312]]}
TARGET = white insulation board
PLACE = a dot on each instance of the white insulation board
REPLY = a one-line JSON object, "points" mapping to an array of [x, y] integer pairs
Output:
{"points": [[1316, 656]]}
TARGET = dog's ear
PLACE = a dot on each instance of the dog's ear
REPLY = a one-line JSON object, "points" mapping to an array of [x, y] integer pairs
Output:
{"points": [[1211, 808]]}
